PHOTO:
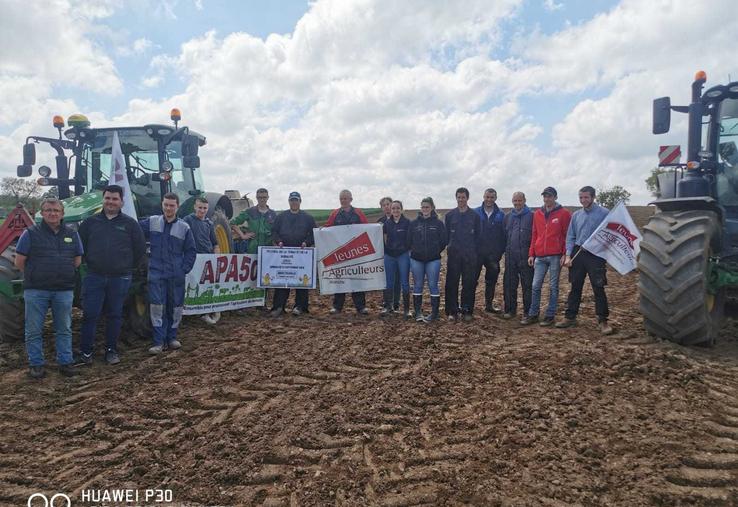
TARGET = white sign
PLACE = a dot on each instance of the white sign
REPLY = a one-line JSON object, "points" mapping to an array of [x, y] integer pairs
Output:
{"points": [[118, 176], [286, 267], [350, 258], [617, 240], [222, 282]]}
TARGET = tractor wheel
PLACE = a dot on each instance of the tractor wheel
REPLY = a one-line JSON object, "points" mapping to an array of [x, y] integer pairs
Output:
{"points": [[11, 310], [138, 316], [222, 231], [673, 283]]}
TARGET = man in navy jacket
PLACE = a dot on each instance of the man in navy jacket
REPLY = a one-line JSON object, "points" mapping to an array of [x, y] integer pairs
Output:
{"points": [[491, 247], [518, 229], [173, 255], [462, 230]]}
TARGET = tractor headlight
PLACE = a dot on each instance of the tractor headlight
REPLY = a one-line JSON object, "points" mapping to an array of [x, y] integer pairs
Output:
{"points": [[44, 171]]}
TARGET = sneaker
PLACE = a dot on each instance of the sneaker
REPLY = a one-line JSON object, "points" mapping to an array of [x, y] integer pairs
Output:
{"points": [[492, 308], [605, 328], [566, 323], [277, 312], [334, 311], [547, 321], [83, 359], [111, 357], [67, 370], [37, 372], [384, 312], [174, 344], [296, 311], [508, 316], [529, 319], [363, 311], [468, 317], [453, 318], [156, 350]]}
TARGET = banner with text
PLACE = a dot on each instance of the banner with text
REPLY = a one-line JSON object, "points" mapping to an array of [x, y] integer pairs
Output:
{"points": [[286, 268], [350, 258], [219, 283]]}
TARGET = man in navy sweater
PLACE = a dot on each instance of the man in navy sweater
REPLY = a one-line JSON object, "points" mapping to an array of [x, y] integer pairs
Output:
{"points": [[491, 247], [114, 246], [462, 231]]}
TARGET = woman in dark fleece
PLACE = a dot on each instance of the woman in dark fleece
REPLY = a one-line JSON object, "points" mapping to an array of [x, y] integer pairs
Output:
{"points": [[427, 241], [396, 258]]}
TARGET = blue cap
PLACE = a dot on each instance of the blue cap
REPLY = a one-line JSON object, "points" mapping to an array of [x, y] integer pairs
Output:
{"points": [[295, 196], [549, 190]]}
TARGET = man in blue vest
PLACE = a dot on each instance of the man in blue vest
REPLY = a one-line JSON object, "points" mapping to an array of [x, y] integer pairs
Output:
{"points": [[491, 247], [49, 254], [173, 254]]}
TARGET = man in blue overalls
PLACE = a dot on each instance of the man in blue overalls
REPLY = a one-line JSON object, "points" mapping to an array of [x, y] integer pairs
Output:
{"points": [[173, 254]]}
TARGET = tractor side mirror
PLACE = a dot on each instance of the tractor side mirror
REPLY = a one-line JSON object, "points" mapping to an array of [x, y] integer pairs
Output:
{"points": [[29, 154], [61, 166], [24, 171], [190, 147], [661, 115]]}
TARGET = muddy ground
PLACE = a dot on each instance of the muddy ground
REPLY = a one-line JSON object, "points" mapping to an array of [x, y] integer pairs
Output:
{"points": [[351, 410]]}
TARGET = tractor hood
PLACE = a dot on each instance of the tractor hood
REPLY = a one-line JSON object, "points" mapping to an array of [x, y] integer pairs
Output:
{"points": [[79, 207]]}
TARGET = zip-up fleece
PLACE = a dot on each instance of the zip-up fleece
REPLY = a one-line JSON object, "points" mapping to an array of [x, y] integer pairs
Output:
{"points": [[492, 234], [427, 238], [397, 241], [549, 232]]}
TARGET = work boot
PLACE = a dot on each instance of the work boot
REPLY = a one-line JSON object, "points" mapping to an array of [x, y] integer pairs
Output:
{"points": [[508, 315], [386, 303], [276, 312], [418, 307], [566, 323], [605, 328], [546, 322], [435, 306], [529, 319], [36, 372], [67, 370], [468, 317], [406, 305]]}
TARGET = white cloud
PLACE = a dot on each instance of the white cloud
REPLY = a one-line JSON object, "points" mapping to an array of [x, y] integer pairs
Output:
{"points": [[551, 5]]}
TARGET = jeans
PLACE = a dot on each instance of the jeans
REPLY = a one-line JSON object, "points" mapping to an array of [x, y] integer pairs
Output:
{"points": [[37, 304], [166, 299], [395, 265], [541, 266], [462, 268], [421, 270], [585, 264], [517, 272], [100, 292]]}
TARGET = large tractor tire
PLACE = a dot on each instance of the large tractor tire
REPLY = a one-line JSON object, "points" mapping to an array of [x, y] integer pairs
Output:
{"points": [[674, 271], [138, 316], [222, 231], [11, 310]]}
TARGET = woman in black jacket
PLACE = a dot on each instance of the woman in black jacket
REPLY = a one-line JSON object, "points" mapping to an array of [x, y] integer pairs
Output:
{"points": [[396, 258], [427, 241]]}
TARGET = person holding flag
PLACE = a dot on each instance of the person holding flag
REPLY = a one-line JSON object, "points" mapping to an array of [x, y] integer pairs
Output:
{"points": [[583, 264], [114, 246]]}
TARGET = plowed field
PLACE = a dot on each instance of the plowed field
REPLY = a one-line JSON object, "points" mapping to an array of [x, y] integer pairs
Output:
{"points": [[358, 410]]}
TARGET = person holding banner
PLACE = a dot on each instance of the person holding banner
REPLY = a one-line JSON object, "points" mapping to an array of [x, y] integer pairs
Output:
{"points": [[583, 264], [546, 255], [173, 254], [463, 227], [114, 246], [347, 215], [396, 259], [427, 240], [293, 228]]}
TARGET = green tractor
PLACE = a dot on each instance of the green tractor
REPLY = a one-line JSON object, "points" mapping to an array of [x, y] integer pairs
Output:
{"points": [[159, 159], [689, 253]]}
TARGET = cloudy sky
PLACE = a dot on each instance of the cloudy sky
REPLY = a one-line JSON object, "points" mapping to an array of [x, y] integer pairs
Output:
{"points": [[407, 98]]}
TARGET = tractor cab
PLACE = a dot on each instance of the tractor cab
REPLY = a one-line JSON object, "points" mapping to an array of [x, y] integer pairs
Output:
{"points": [[158, 159]]}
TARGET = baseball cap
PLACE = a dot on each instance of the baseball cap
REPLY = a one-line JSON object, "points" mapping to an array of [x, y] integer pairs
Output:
{"points": [[549, 190], [295, 196]]}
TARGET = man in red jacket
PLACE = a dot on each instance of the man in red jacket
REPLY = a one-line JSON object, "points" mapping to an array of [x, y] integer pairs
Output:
{"points": [[347, 215], [546, 254]]}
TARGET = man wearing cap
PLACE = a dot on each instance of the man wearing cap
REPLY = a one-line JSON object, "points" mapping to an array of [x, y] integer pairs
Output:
{"points": [[546, 254], [293, 228], [581, 263], [347, 215]]}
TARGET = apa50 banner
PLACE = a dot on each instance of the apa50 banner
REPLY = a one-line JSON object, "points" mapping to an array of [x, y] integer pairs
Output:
{"points": [[350, 258], [222, 282]]}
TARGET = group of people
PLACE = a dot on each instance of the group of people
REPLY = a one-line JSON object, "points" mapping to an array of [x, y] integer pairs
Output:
{"points": [[533, 243]]}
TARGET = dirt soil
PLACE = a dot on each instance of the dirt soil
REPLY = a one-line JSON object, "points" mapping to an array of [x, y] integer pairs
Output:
{"points": [[352, 410]]}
